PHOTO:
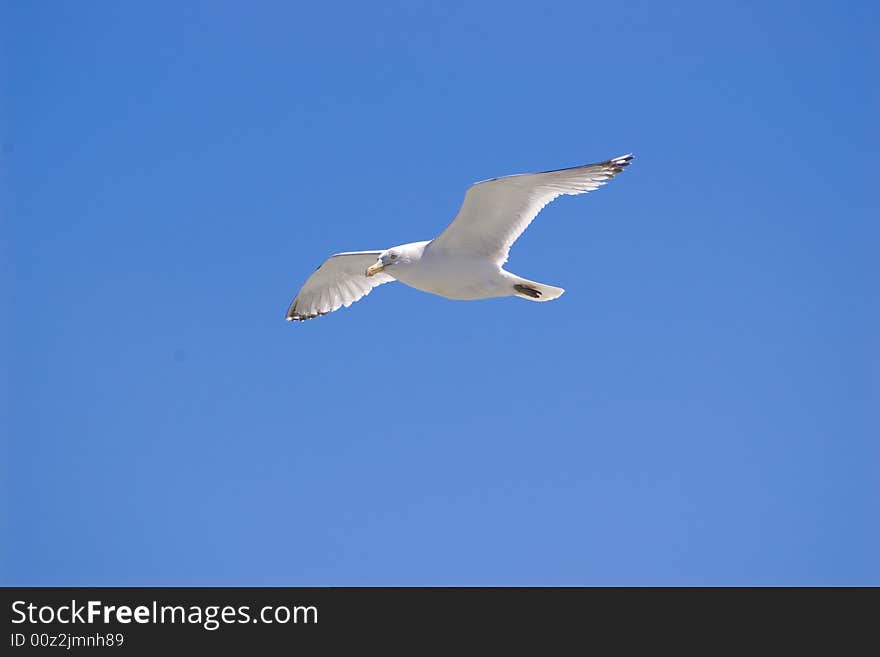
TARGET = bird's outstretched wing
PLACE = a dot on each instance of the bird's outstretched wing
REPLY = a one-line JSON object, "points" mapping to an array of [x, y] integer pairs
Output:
{"points": [[496, 212], [340, 281]]}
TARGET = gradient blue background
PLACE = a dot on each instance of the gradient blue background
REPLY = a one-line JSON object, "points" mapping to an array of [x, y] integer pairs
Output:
{"points": [[699, 408]]}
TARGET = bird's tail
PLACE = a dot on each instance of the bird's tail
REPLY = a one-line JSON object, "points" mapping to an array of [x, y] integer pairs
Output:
{"points": [[533, 291]]}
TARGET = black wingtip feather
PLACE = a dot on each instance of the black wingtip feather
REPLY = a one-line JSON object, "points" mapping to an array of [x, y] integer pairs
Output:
{"points": [[615, 165], [293, 316], [618, 164]]}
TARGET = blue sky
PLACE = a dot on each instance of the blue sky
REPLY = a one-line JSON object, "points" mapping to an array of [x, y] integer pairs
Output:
{"points": [[699, 408]]}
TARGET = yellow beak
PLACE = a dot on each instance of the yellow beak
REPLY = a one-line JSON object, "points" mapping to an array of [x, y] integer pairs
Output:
{"points": [[372, 270]]}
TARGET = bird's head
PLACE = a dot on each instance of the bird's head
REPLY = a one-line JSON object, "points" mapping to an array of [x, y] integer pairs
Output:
{"points": [[396, 256], [386, 259]]}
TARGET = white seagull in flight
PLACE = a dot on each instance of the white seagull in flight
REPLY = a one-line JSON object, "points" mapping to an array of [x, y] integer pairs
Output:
{"points": [[465, 260]]}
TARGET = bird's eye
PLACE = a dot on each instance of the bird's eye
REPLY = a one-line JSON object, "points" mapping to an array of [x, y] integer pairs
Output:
{"points": [[393, 256]]}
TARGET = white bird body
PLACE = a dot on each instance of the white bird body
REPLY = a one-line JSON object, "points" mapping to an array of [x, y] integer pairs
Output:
{"points": [[460, 276], [465, 262]]}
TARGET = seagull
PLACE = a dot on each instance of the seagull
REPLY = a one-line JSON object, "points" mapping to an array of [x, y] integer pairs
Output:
{"points": [[465, 261]]}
